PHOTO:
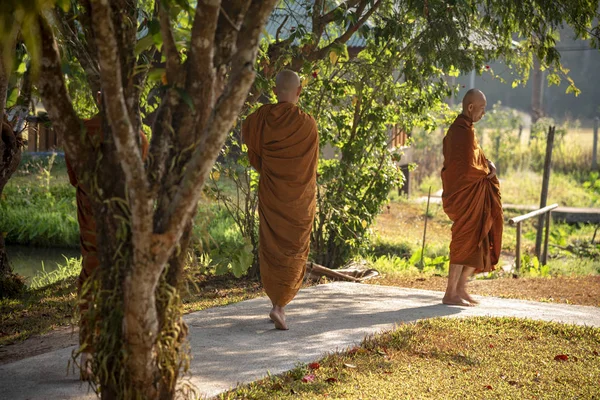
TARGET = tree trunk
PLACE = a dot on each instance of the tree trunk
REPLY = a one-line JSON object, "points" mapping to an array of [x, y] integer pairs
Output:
{"points": [[10, 157]]}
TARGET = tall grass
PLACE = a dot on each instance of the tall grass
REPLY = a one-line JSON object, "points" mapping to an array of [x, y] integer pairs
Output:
{"points": [[70, 269], [33, 215]]}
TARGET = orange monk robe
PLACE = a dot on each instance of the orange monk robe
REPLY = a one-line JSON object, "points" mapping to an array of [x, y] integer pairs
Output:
{"points": [[283, 146], [471, 200], [85, 216]]}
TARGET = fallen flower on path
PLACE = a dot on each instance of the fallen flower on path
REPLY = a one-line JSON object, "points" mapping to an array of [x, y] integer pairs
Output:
{"points": [[314, 365], [561, 357]]}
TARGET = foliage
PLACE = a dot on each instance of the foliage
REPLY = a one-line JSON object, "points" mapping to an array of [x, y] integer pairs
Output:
{"points": [[37, 209], [593, 182], [221, 248], [531, 266], [11, 285], [234, 185], [68, 270], [501, 126]]}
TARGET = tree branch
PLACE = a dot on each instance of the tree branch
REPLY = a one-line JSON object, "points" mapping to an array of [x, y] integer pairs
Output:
{"points": [[56, 99], [330, 16], [123, 132], [321, 53], [200, 72], [87, 60], [278, 32], [169, 48], [222, 117]]}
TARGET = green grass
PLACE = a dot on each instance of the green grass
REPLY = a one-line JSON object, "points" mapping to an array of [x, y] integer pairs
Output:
{"points": [[38, 205], [65, 271], [475, 358], [524, 187]]}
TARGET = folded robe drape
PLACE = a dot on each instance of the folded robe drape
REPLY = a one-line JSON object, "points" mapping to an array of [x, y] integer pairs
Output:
{"points": [[283, 146], [471, 200]]}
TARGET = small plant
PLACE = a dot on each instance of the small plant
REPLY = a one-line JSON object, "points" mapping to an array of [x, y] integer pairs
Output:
{"points": [[70, 269], [531, 266]]}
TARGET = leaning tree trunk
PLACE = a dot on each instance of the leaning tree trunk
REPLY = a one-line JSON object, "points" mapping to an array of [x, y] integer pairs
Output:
{"points": [[10, 157]]}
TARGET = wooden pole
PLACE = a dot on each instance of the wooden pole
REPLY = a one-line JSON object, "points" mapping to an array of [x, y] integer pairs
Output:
{"points": [[546, 237], [497, 148], [32, 137], [544, 195], [595, 147], [425, 229], [518, 261]]}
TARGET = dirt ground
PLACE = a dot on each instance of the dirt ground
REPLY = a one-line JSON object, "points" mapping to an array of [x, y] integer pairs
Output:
{"points": [[39, 344], [582, 290]]}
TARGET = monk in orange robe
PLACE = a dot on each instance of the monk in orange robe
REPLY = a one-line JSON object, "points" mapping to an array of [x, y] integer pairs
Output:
{"points": [[87, 236], [283, 146], [471, 199]]}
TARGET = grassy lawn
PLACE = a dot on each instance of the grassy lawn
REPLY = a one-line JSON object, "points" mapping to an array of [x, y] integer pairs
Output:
{"points": [[476, 358]]}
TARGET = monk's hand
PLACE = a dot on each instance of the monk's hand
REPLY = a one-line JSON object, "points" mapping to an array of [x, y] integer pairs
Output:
{"points": [[492, 168]]}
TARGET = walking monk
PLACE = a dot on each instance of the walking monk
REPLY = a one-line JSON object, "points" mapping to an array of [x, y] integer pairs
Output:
{"points": [[87, 236], [283, 146], [471, 200]]}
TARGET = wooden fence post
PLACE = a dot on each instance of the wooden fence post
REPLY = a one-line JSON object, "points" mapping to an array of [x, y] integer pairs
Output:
{"points": [[545, 185], [595, 147], [32, 137]]}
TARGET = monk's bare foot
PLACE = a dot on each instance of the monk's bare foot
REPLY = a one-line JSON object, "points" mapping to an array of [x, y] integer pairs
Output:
{"points": [[277, 315], [465, 296], [455, 301], [86, 372]]}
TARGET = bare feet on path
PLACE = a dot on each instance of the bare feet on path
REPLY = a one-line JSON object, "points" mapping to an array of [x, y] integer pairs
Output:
{"points": [[465, 296], [456, 301], [277, 315]]}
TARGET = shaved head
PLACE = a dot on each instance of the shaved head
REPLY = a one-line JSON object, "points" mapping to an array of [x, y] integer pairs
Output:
{"points": [[474, 104], [287, 86]]}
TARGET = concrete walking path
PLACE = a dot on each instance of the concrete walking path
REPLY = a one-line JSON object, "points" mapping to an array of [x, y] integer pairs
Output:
{"points": [[238, 344]]}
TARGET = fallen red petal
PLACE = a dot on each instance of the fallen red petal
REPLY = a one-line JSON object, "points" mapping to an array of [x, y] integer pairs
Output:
{"points": [[314, 365], [491, 346], [561, 357], [489, 387]]}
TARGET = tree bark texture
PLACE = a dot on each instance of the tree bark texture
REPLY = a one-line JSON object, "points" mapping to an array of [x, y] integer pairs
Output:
{"points": [[144, 210], [10, 157]]}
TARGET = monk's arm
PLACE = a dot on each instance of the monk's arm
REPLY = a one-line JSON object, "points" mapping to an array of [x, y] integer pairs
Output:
{"points": [[250, 142]]}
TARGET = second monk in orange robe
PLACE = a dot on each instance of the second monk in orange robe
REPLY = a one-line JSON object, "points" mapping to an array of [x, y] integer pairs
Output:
{"points": [[283, 146], [471, 200]]}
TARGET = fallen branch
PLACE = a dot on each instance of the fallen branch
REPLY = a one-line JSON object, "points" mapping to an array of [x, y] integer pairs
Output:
{"points": [[316, 271]]}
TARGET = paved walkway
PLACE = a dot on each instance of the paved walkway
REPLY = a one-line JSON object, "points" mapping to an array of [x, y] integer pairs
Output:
{"points": [[238, 344]]}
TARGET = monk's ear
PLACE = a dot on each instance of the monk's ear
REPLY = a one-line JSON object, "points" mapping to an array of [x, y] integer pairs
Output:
{"points": [[299, 90]]}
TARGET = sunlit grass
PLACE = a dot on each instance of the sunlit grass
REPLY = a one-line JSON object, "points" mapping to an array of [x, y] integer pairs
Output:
{"points": [[473, 358]]}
